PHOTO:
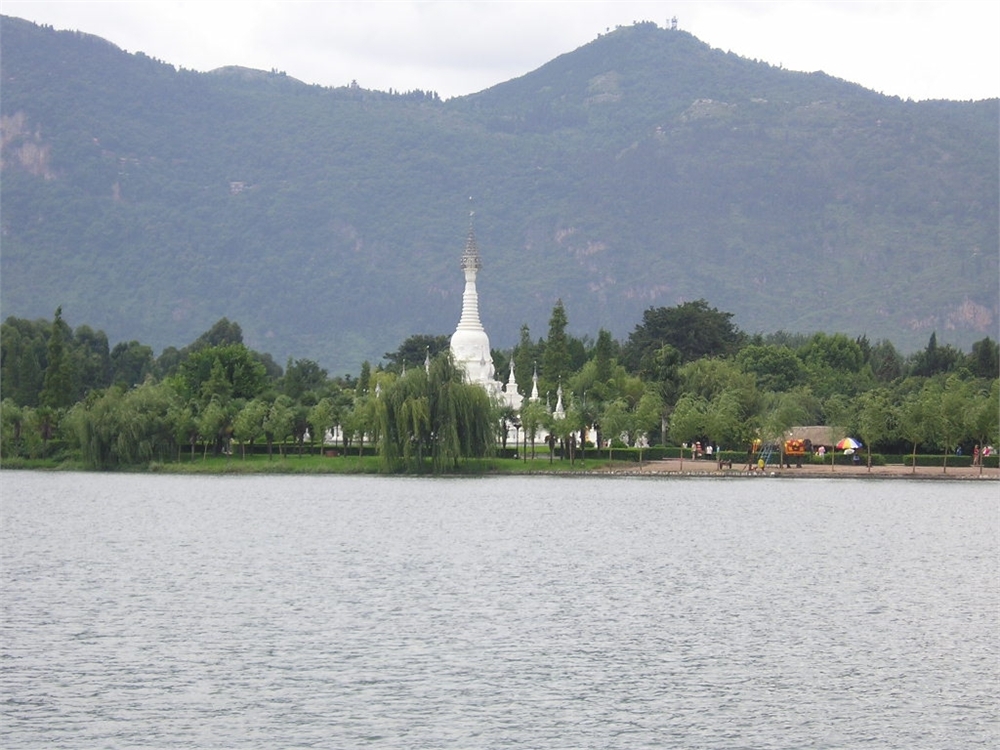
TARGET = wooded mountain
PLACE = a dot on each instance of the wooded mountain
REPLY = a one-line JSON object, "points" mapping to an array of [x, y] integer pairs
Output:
{"points": [[641, 170]]}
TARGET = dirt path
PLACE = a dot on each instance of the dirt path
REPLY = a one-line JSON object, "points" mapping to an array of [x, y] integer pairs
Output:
{"points": [[708, 468]]}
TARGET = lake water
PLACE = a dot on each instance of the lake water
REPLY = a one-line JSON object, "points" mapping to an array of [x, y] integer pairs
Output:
{"points": [[337, 612]]}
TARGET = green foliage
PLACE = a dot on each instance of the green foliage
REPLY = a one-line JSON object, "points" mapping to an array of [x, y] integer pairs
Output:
{"points": [[58, 387], [877, 418], [936, 360], [415, 350], [130, 363], [91, 360], [834, 365], [226, 371], [303, 376], [984, 416], [776, 368], [556, 355], [432, 417], [120, 428], [984, 361], [918, 418], [22, 359], [886, 363], [689, 420], [694, 329], [435, 415], [278, 423], [248, 424]]}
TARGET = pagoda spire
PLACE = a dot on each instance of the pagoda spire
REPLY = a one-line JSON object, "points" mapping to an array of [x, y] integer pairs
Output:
{"points": [[471, 263]]}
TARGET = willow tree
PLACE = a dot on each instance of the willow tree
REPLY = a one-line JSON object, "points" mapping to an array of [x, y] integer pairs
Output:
{"points": [[462, 415], [402, 413], [433, 414]]}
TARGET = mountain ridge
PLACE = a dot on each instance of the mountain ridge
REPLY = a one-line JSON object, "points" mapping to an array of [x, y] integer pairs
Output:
{"points": [[642, 169]]}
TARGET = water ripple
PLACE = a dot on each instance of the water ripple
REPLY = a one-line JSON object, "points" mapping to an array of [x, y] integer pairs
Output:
{"points": [[545, 613]]}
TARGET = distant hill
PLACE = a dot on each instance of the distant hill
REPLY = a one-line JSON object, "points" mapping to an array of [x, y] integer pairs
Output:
{"points": [[642, 169]]}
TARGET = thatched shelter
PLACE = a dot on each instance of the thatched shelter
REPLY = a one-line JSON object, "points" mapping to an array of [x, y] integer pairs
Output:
{"points": [[815, 435]]}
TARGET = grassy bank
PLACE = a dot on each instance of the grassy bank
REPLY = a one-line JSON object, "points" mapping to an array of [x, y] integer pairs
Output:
{"points": [[316, 464]]}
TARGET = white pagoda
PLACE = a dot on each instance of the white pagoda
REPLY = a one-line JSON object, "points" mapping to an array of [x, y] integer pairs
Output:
{"points": [[470, 346]]}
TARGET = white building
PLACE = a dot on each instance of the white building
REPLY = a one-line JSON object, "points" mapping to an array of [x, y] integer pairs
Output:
{"points": [[470, 346]]}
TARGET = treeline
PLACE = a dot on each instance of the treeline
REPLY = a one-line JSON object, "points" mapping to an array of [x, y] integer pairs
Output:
{"points": [[684, 374]]}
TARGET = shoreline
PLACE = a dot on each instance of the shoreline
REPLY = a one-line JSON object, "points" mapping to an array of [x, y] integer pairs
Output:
{"points": [[669, 468]]}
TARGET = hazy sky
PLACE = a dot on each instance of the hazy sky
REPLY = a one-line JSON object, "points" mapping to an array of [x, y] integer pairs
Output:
{"points": [[929, 49]]}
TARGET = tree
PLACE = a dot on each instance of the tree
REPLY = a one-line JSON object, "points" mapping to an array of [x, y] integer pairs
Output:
{"points": [[525, 358], [834, 365], [693, 328], [116, 428], [321, 419], [22, 359], [708, 377], [984, 419], [727, 423], [646, 417], [130, 363], [953, 406], [58, 391], [885, 361], [415, 350], [661, 367], [144, 431], [360, 420], [93, 424], [241, 374], [462, 418], [781, 412], [568, 426], [984, 360], [92, 360], [776, 368], [917, 416], [877, 419], [604, 356], [278, 424], [12, 418], [689, 420], [222, 333], [248, 425], [303, 376], [934, 359], [183, 425], [403, 411], [534, 416], [556, 356], [364, 378], [614, 423], [837, 413], [215, 424], [433, 413]]}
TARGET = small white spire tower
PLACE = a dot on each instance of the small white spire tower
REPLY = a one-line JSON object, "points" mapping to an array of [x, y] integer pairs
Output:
{"points": [[469, 344]]}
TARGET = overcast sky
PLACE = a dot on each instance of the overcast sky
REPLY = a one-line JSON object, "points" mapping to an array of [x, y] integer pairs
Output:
{"points": [[926, 49]]}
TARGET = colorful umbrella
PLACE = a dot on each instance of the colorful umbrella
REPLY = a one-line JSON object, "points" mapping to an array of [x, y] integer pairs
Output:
{"points": [[848, 444]]}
